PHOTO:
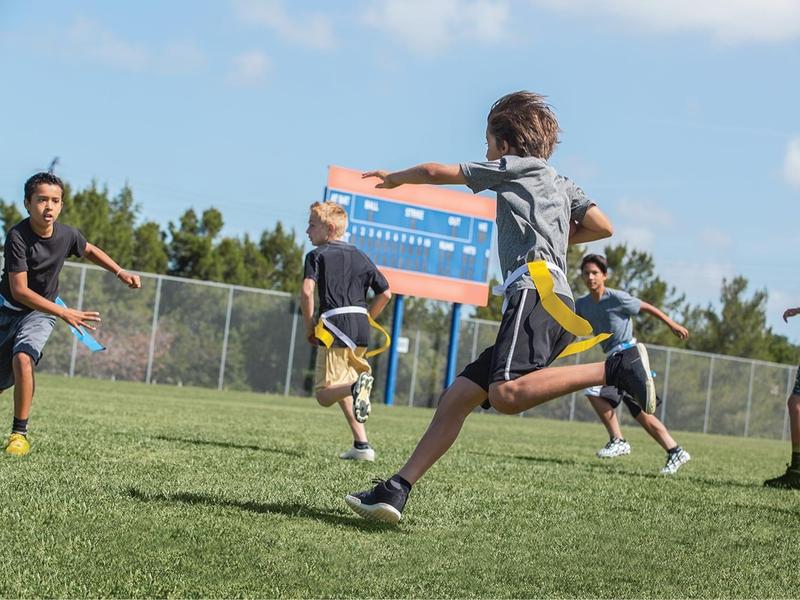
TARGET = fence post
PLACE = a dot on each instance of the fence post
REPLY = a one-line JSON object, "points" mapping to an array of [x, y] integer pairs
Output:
{"points": [[749, 399], [708, 394], [225, 339], [574, 394], [414, 370], [665, 392], [154, 328], [74, 354], [290, 362], [476, 325]]}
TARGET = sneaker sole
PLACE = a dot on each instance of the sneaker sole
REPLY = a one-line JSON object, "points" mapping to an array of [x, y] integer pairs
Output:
{"points": [[380, 512], [358, 458], [361, 404], [650, 405], [614, 455]]}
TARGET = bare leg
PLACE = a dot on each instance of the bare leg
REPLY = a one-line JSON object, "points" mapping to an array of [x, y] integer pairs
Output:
{"points": [[794, 421], [657, 430], [23, 384], [456, 403], [535, 388], [607, 415], [334, 393], [358, 429]]}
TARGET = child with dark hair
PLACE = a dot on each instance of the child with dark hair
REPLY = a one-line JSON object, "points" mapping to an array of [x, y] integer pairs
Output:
{"points": [[611, 310], [538, 213], [35, 251], [791, 478]]}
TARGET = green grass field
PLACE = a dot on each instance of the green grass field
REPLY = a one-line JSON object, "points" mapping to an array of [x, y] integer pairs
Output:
{"points": [[135, 490]]}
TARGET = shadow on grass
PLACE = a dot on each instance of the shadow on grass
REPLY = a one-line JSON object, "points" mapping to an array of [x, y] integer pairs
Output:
{"points": [[289, 509], [198, 442]]}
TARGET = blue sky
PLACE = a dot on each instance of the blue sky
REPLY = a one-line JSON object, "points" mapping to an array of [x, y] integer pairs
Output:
{"points": [[680, 118]]}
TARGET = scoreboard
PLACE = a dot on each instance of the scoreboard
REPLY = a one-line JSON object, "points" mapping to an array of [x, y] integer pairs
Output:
{"points": [[429, 241]]}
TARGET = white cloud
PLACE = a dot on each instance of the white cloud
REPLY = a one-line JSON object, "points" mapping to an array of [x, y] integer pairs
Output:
{"points": [[429, 26], [249, 68], [791, 163], [312, 30], [715, 239], [635, 236], [701, 281], [644, 212], [725, 20]]}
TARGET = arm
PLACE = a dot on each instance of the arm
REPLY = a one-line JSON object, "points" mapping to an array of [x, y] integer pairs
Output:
{"points": [[677, 329], [594, 226], [790, 312], [379, 302], [433, 173], [101, 259], [24, 295], [307, 308]]}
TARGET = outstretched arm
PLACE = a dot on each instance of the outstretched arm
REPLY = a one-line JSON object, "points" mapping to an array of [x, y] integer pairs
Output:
{"points": [[433, 173], [594, 226], [790, 312], [679, 330], [101, 259], [307, 308], [25, 295]]}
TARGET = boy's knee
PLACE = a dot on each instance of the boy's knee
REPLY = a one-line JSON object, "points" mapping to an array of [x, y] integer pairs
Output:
{"points": [[794, 401], [502, 396], [318, 396]]}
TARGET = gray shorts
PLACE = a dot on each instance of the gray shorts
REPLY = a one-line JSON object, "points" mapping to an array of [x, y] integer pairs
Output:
{"points": [[21, 332]]}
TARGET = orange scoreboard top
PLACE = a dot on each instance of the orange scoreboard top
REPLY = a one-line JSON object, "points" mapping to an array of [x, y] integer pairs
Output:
{"points": [[428, 241]]}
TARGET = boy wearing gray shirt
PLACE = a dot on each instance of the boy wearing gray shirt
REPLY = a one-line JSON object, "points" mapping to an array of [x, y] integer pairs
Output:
{"points": [[612, 310], [538, 213]]}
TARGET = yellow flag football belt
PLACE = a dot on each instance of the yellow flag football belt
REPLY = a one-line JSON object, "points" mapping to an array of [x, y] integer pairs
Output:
{"points": [[562, 314], [325, 330]]}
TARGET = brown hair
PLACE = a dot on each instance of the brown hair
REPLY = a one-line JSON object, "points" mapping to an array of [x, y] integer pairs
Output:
{"points": [[331, 213], [596, 259], [526, 123]]}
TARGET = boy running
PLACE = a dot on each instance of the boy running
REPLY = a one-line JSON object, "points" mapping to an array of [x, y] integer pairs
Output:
{"points": [[537, 211], [342, 274], [791, 479], [35, 251], [611, 310]]}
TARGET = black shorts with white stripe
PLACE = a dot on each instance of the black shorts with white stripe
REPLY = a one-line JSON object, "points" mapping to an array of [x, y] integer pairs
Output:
{"points": [[529, 339]]}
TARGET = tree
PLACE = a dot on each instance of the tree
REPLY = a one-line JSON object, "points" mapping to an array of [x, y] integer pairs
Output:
{"points": [[10, 215]]}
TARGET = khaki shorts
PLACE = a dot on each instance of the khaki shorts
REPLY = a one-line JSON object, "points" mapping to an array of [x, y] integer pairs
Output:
{"points": [[339, 365]]}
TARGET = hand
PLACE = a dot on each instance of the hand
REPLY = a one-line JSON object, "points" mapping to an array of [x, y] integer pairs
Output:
{"points": [[385, 177], [679, 330], [80, 318], [129, 279], [790, 312], [311, 337]]}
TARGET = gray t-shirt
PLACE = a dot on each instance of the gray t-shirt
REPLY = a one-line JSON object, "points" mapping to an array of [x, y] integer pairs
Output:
{"points": [[534, 208], [612, 314]]}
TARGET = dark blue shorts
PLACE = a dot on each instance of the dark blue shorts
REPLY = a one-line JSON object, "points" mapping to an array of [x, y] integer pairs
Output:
{"points": [[26, 332], [796, 389]]}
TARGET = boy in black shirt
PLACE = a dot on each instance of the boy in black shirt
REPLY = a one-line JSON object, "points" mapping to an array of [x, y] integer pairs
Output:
{"points": [[35, 251], [343, 275]]}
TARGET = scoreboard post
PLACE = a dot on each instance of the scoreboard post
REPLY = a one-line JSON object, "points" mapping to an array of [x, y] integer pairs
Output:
{"points": [[429, 242]]}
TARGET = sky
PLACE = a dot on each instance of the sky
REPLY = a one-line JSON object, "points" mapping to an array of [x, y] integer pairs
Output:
{"points": [[681, 119]]}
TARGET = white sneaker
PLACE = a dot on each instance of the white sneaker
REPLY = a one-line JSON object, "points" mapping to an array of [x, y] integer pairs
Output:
{"points": [[675, 461], [353, 453], [615, 447]]}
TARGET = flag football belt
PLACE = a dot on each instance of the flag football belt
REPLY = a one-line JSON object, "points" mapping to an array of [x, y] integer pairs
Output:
{"points": [[84, 337], [540, 272], [325, 330]]}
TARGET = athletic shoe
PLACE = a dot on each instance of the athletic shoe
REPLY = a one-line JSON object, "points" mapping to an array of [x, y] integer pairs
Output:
{"points": [[615, 447], [675, 461], [353, 453], [361, 390], [18, 445], [629, 371], [384, 502], [788, 481]]}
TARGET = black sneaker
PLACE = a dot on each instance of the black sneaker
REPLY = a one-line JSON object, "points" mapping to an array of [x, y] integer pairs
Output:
{"points": [[629, 371], [788, 481], [384, 502], [361, 390]]}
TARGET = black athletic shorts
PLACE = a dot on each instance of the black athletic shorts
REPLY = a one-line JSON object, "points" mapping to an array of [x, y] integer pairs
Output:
{"points": [[613, 396], [529, 339], [796, 389]]}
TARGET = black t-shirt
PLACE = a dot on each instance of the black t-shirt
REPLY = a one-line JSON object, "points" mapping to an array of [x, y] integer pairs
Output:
{"points": [[344, 274], [41, 257]]}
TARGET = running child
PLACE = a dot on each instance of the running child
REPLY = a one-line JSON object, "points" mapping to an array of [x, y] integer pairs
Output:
{"points": [[791, 478], [537, 211], [611, 310], [342, 275], [35, 251]]}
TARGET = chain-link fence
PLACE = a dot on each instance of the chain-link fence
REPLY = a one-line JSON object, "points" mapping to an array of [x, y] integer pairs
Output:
{"points": [[188, 332]]}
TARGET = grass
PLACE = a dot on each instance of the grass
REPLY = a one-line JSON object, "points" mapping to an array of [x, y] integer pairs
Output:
{"points": [[136, 490]]}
